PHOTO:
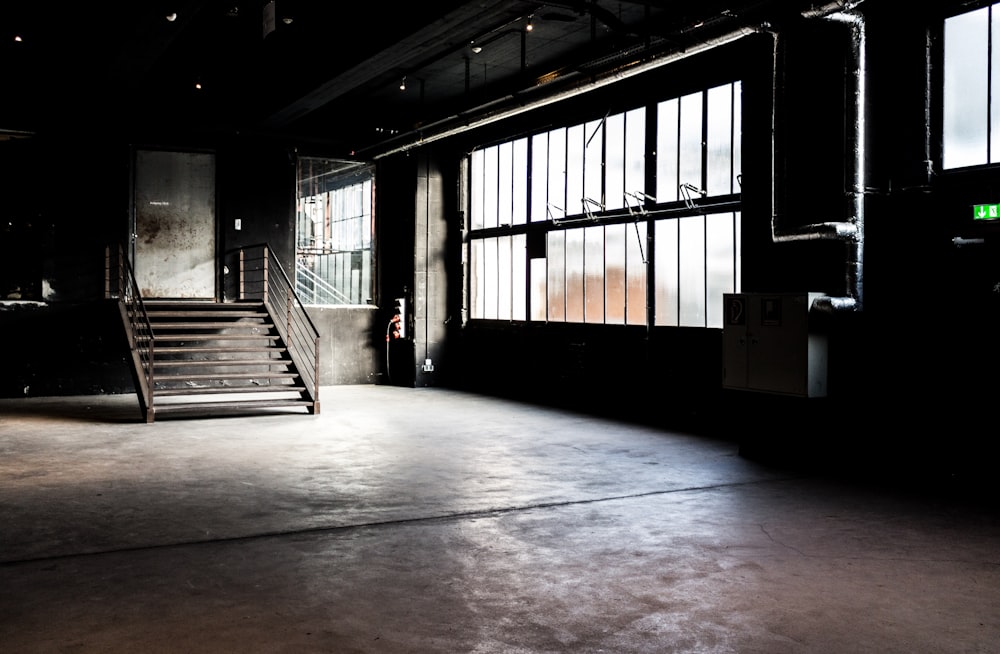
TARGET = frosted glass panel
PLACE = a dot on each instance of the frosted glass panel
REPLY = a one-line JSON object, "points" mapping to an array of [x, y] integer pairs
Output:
{"points": [[737, 135], [539, 176], [593, 260], [476, 193], [574, 275], [614, 274], [556, 254], [720, 141], [518, 281], [690, 140], [692, 271], [519, 192], [539, 297], [574, 170], [490, 172], [966, 51], [593, 168], [667, 117], [505, 188], [667, 280], [490, 276], [557, 174], [635, 151], [477, 268], [503, 278], [720, 275], [635, 249], [614, 172]]}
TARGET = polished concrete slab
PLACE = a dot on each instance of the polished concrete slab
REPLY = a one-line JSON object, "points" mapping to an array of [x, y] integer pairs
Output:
{"points": [[430, 520]]}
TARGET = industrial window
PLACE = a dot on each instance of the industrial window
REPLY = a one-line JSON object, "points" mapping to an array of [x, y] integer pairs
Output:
{"points": [[572, 224], [971, 127], [334, 255]]}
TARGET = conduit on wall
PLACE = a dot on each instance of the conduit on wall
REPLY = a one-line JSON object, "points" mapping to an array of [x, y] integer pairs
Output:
{"points": [[851, 229]]}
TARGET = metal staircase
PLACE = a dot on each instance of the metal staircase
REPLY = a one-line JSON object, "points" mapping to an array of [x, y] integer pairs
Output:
{"points": [[197, 357], [212, 357]]}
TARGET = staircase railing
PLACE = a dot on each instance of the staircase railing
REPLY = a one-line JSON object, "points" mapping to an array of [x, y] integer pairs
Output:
{"points": [[316, 290], [120, 284], [260, 276]]}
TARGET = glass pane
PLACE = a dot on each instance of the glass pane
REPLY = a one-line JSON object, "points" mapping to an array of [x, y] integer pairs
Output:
{"points": [[615, 171], [503, 278], [635, 249], [667, 280], [720, 275], [593, 261], [614, 274], [476, 191], [635, 151], [737, 135], [556, 286], [519, 193], [477, 270], [556, 206], [994, 91], [518, 270], [720, 141], [738, 252], [490, 162], [692, 271], [966, 48], [491, 275], [667, 144], [574, 170], [539, 177], [505, 184], [574, 275], [690, 140], [539, 302], [593, 166]]}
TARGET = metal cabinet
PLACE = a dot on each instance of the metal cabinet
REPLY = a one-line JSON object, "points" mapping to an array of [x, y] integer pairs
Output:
{"points": [[770, 345]]}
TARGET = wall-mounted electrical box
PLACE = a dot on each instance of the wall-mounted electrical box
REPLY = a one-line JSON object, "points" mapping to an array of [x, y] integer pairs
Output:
{"points": [[771, 345]]}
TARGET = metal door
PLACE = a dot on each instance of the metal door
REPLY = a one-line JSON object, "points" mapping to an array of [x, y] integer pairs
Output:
{"points": [[174, 224]]}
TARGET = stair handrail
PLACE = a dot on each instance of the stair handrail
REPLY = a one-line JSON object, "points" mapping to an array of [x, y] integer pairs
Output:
{"points": [[270, 283], [319, 284], [120, 283]]}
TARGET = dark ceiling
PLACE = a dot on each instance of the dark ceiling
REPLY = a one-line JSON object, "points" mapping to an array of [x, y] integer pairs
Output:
{"points": [[324, 71]]}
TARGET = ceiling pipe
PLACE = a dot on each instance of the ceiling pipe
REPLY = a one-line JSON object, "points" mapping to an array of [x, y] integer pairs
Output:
{"points": [[518, 103], [851, 230]]}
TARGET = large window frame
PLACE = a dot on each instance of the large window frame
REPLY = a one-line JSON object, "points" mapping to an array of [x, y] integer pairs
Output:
{"points": [[971, 89], [334, 245], [631, 218]]}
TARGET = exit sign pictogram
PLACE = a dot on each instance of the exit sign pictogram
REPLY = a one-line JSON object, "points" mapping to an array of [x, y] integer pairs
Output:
{"points": [[986, 211]]}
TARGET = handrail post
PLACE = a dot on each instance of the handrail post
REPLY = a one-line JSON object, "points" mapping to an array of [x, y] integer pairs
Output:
{"points": [[265, 262], [242, 290]]}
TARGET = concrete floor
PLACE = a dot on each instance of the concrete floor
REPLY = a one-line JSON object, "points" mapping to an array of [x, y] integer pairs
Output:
{"points": [[428, 520]]}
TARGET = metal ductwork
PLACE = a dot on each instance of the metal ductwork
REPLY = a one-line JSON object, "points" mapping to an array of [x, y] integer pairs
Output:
{"points": [[850, 230]]}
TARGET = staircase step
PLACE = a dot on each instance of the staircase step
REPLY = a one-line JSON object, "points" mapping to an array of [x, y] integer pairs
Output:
{"points": [[243, 405], [194, 391], [196, 350], [216, 337], [183, 363], [207, 325]]}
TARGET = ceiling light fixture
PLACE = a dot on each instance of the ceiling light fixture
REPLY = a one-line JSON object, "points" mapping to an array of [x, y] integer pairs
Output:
{"points": [[171, 17], [477, 49], [402, 84], [529, 26]]}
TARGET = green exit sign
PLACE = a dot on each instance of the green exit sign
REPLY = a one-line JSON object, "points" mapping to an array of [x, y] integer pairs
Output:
{"points": [[986, 211]]}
